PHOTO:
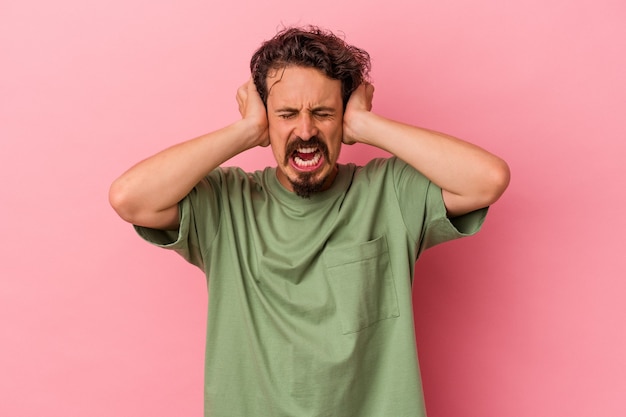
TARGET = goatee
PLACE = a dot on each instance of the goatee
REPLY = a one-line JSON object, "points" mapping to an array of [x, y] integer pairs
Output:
{"points": [[306, 185]]}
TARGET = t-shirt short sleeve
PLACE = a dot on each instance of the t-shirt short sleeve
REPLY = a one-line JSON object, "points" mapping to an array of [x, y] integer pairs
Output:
{"points": [[424, 212], [199, 217]]}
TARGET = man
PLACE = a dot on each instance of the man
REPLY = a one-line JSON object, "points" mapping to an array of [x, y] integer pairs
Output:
{"points": [[310, 264]]}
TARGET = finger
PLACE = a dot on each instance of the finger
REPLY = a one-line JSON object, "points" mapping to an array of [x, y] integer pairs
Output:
{"points": [[252, 90], [242, 96], [369, 95]]}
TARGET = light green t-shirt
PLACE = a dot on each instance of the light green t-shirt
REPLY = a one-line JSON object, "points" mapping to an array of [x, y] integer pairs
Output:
{"points": [[310, 308]]}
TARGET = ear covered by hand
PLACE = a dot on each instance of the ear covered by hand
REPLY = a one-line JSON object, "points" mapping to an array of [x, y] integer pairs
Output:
{"points": [[359, 105], [251, 108]]}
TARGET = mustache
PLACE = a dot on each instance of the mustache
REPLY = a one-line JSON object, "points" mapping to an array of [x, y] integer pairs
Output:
{"points": [[313, 142]]}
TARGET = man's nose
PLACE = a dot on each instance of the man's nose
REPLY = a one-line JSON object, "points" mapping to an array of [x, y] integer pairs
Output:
{"points": [[306, 128]]}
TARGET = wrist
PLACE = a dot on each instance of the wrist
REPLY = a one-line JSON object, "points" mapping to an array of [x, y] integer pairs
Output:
{"points": [[252, 133], [358, 127]]}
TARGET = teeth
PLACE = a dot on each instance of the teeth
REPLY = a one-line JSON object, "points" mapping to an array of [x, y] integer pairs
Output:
{"points": [[307, 150], [301, 162]]}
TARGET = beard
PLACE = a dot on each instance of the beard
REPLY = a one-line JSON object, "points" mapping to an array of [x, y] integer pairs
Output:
{"points": [[306, 183]]}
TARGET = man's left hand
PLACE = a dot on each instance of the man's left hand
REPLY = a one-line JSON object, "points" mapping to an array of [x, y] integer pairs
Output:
{"points": [[358, 107]]}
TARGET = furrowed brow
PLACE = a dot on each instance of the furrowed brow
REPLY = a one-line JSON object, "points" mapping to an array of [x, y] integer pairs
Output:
{"points": [[323, 109], [286, 109]]}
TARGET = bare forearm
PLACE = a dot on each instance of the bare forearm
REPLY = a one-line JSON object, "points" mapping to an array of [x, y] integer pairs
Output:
{"points": [[149, 190], [469, 176]]}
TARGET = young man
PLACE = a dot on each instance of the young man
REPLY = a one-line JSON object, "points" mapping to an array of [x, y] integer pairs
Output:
{"points": [[310, 264]]}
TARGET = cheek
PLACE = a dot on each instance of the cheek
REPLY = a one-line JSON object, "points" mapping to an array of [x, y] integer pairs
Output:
{"points": [[335, 140], [335, 151], [278, 134], [278, 147]]}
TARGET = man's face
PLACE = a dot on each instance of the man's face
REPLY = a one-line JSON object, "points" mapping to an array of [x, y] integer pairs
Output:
{"points": [[305, 115]]}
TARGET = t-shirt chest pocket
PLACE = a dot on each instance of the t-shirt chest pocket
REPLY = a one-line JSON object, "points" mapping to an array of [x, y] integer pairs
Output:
{"points": [[362, 284]]}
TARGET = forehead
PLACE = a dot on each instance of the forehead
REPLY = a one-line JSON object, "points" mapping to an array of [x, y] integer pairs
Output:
{"points": [[301, 86]]}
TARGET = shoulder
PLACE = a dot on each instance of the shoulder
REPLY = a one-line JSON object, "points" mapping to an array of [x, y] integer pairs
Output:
{"points": [[391, 169], [235, 177]]}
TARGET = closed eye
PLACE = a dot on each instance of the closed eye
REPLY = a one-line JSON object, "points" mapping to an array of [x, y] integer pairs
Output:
{"points": [[323, 115]]}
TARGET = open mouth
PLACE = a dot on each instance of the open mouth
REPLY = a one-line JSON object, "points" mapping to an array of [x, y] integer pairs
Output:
{"points": [[305, 158]]}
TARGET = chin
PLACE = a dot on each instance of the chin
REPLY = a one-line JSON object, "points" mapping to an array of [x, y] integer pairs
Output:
{"points": [[305, 187]]}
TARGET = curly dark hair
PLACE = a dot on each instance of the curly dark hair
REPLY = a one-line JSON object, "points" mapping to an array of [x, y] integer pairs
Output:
{"points": [[311, 47]]}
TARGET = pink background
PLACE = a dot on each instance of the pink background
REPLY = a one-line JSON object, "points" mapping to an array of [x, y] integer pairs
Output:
{"points": [[525, 319]]}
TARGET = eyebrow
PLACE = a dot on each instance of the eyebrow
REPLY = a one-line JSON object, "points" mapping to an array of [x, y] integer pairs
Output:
{"points": [[287, 109]]}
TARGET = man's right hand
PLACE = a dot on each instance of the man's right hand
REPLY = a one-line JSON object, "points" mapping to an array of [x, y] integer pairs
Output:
{"points": [[251, 108]]}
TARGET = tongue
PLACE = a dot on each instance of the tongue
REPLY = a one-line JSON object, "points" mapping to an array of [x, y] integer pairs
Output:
{"points": [[306, 156]]}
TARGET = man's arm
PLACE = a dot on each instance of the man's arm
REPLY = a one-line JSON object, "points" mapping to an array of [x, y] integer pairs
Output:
{"points": [[148, 193], [470, 177]]}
